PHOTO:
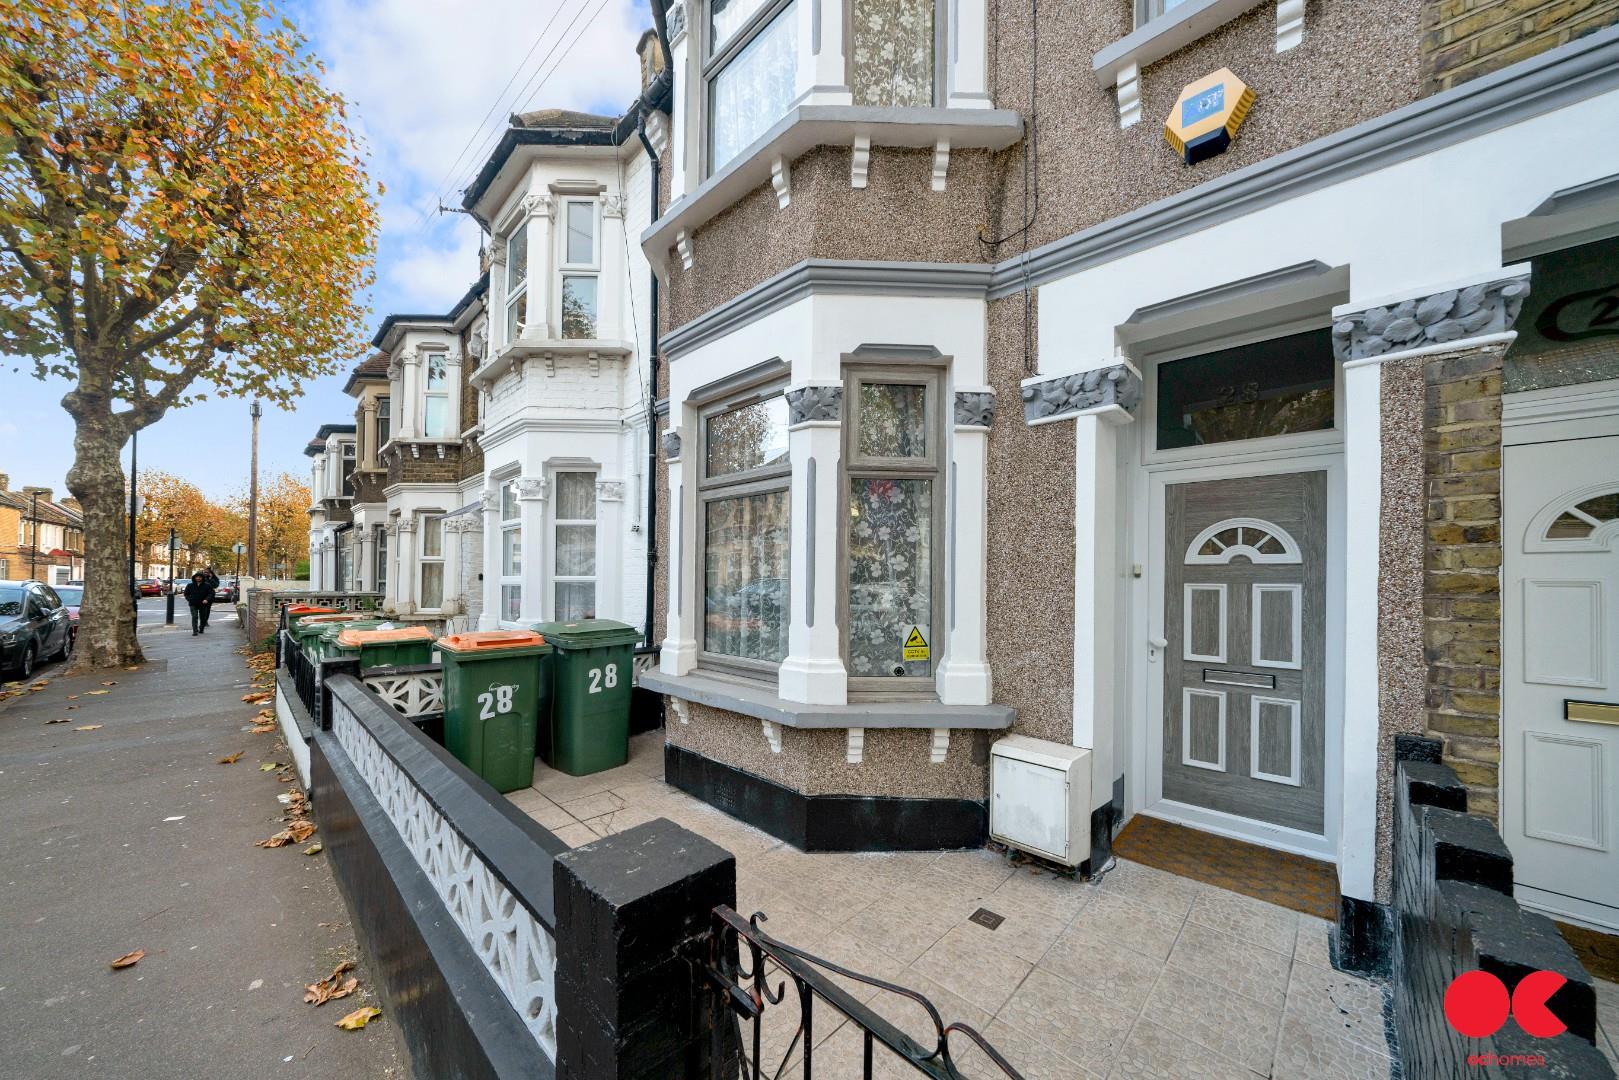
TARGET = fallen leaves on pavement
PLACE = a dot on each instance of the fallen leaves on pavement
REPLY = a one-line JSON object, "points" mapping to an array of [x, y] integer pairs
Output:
{"points": [[295, 833], [260, 729], [63, 720], [258, 697], [357, 1019], [129, 959], [272, 766], [333, 986], [90, 727], [93, 692], [107, 682], [231, 759], [314, 849], [72, 697], [36, 687]]}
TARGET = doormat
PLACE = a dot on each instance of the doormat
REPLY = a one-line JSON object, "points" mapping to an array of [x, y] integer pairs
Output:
{"points": [[1277, 877], [1599, 952]]}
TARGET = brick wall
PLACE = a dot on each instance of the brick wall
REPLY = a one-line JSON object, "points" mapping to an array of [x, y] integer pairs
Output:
{"points": [[1454, 912], [429, 468], [1462, 563], [1463, 39]]}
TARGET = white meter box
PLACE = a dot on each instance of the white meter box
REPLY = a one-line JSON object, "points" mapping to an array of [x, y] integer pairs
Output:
{"points": [[1040, 798]]}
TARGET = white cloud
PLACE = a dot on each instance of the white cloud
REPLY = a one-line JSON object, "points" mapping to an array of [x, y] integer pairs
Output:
{"points": [[422, 74]]}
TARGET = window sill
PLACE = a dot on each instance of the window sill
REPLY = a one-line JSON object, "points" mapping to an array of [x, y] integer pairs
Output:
{"points": [[763, 704], [808, 126], [526, 348], [1169, 33]]}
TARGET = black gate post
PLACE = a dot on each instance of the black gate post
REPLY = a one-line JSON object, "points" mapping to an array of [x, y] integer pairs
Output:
{"points": [[633, 911]]}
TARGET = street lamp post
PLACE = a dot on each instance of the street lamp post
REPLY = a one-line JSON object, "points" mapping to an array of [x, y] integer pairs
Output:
{"points": [[169, 614], [33, 547]]}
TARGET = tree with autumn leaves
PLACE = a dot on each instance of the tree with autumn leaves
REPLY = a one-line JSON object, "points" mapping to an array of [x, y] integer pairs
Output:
{"points": [[183, 213]]}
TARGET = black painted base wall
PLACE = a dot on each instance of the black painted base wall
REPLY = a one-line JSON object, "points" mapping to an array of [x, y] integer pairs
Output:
{"points": [[829, 822], [455, 1020], [1453, 912]]}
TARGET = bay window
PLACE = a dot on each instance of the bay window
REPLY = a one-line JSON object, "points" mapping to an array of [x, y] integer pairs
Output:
{"points": [[750, 69], [581, 267], [511, 553], [516, 279], [892, 458], [744, 505], [432, 562], [384, 424], [381, 566], [346, 465], [893, 61], [575, 578], [436, 397]]}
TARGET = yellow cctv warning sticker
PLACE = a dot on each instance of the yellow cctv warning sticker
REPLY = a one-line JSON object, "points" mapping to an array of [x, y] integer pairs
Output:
{"points": [[916, 646]]}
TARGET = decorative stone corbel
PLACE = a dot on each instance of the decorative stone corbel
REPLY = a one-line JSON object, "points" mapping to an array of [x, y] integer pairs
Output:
{"points": [[675, 22], [671, 444], [772, 735], [822, 404], [941, 163], [440, 448], [536, 203], [533, 487], [860, 162], [613, 206], [610, 490], [595, 363], [975, 408], [416, 451], [657, 124], [489, 499], [1051, 399], [857, 746], [1129, 89], [781, 179], [1289, 24], [1490, 307], [683, 246], [940, 745]]}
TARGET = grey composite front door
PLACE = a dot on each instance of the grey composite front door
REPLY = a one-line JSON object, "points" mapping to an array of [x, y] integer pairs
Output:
{"points": [[1244, 617]]}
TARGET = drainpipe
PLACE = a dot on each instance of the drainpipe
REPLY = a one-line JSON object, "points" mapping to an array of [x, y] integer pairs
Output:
{"points": [[652, 387]]}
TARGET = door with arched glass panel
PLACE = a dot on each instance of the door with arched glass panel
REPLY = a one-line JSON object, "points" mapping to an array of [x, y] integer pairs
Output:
{"points": [[1244, 619]]}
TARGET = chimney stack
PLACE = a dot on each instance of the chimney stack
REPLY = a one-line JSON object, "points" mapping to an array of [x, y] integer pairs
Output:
{"points": [[44, 492], [5, 482]]}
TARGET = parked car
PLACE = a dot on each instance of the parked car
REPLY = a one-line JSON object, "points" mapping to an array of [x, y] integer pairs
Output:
{"points": [[34, 624], [150, 587], [226, 593], [72, 595]]}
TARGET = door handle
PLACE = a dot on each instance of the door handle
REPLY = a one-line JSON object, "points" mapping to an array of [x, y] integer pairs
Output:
{"points": [[1153, 646]]}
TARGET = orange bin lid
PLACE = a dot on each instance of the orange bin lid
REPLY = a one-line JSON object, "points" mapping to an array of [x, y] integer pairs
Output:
{"points": [[309, 609], [490, 639], [384, 637], [336, 616]]}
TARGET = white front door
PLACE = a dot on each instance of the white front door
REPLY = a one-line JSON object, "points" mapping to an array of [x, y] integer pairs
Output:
{"points": [[1560, 675]]}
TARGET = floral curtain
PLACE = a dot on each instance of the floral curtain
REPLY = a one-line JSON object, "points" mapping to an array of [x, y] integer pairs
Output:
{"points": [[890, 574], [893, 53]]}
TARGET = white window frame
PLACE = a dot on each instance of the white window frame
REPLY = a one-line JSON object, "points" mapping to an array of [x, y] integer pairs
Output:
{"points": [[380, 565], [424, 520], [347, 461], [557, 524], [1148, 10], [591, 269], [430, 393], [512, 525], [712, 62], [384, 426], [517, 291]]}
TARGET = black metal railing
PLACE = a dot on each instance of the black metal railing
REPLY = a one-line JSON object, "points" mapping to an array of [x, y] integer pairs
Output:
{"points": [[742, 988], [304, 676]]}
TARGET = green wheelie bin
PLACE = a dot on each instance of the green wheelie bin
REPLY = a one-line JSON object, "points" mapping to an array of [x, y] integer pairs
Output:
{"points": [[494, 682], [311, 627], [383, 647], [326, 643], [592, 670]]}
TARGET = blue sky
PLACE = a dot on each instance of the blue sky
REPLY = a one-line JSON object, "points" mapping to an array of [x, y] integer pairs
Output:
{"points": [[420, 75]]}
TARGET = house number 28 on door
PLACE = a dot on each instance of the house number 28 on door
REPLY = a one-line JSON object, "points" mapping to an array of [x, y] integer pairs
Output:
{"points": [[494, 701], [603, 677]]}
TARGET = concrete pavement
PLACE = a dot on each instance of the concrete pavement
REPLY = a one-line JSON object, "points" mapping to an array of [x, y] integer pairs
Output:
{"points": [[133, 836]]}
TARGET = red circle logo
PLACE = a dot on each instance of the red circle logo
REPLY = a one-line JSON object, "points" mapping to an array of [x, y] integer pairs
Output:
{"points": [[1477, 1004]]}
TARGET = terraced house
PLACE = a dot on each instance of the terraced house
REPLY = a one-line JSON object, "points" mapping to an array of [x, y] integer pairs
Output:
{"points": [[1223, 390]]}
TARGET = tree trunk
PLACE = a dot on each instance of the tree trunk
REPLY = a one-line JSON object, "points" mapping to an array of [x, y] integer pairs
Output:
{"points": [[107, 618]]}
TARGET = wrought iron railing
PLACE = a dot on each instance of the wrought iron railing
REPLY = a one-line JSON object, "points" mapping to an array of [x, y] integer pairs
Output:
{"points": [[742, 986], [305, 677], [490, 866], [414, 690]]}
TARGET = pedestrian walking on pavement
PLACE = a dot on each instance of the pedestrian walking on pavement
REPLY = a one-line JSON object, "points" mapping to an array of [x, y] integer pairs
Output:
{"points": [[200, 596], [210, 579]]}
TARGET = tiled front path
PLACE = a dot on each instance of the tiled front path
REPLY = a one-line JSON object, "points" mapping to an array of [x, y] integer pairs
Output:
{"points": [[1143, 975]]}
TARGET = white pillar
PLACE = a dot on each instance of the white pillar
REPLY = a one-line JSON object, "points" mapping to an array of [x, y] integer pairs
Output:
{"points": [[489, 618], [390, 581], [531, 496], [683, 171], [451, 541], [610, 306], [409, 407], [365, 559], [537, 303], [678, 654], [1096, 581], [963, 674], [610, 549], [822, 67], [969, 69], [813, 671], [1363, 495], [405, 587]]}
